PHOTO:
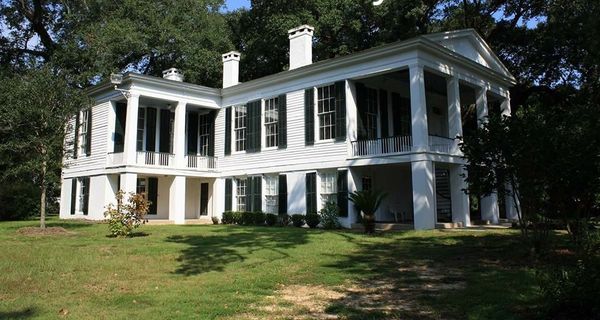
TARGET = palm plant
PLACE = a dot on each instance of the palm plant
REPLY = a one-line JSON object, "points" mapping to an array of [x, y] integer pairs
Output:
{"points": [[367, 201]]}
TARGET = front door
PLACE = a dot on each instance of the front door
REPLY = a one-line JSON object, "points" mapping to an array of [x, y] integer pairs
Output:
{"points": [[204, 199], [152, 194]]}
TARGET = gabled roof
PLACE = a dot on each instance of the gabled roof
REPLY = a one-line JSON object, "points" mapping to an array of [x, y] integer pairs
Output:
{"points": [[468, 43]]}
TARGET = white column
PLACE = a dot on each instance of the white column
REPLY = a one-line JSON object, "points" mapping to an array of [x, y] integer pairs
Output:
{"points": [[65, 198], [128, 183], [177, 200], [460, 200], [511, 206], [418, 108], [353, 185], [505, 107], [489, 204], [130, 147], [99, 194], [179, 134], [454, 116], [423, 197], [218, 198]]}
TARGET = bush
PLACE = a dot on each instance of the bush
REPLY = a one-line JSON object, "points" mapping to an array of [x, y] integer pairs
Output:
{"points": [[126, 216], [298, 220], [283, 220], [215, 220], [329, 216], [259, 218], [572, 293], [312, 220], [247, 218], [271, 219], [228, 217]]}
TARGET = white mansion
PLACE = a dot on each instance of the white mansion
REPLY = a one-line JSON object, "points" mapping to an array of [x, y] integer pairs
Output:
{"points": [[385, 119]]}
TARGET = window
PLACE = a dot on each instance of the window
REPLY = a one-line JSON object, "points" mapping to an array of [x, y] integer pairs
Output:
{"points": [[328, 187], [271, 194], [371, 114], [240, 196], [204, 127], [367, 183], [271, 122], [142, 187], [82, 195], [326, 112], [84, 131], [240, 128], [141, 125]]}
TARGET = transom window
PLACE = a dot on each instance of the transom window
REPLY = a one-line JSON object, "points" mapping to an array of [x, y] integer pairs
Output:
{"points": [[271, 194], [84, 131], [326, 112], [240, 128], [371, 116], [240, 196], [204, 124], [271, 122], [328, 187]]}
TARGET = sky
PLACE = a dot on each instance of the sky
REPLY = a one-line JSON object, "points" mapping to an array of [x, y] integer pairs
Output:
{"points": [[236, 4]]}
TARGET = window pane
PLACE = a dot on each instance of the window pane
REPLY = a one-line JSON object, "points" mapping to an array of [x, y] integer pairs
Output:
{"points": [[326, 112]]}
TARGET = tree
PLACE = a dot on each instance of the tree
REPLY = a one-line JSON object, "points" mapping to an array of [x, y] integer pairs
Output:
{"points": [[34, 111], [367, 202]]}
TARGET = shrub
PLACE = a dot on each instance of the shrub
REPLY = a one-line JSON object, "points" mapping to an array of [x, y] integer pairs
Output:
{"points": [[228, 217], [215, 220], [247, 218], [312, 220], [271, 219], [298, 220], [259, 218], [283, 220], [329, 216], [126, 216]]}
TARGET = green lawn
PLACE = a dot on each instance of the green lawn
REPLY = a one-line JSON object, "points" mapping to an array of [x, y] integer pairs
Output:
{"points": [[223, 272]]}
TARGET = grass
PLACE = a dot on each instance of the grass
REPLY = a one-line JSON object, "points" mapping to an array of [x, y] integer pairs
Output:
{"points": [[223, 272]]}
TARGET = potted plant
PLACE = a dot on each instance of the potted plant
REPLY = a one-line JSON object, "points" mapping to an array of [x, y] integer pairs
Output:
{"points": [[367, 201]]}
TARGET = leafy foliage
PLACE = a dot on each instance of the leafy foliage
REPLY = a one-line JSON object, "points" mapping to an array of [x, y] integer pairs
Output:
{"points": [[329, 216], [312, 220], [298, 220], [367, 202], [271, 219], [126, 215]]}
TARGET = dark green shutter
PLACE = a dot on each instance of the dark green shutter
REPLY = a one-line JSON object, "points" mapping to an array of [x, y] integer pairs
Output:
{"points": [[361, 106], [309, 117], [228, 194], [282, 121], [311, 192], [86, 195], [282, 194], [73, 194], [383, 106], [228, 132], [192, 133], [165, 128], [211, 139], [76, 137], [151, 129], [340, 111], [257, 194], [342, 192], [253, 114], [88, 138], [139, 141], [153, 194], [119, 135]]}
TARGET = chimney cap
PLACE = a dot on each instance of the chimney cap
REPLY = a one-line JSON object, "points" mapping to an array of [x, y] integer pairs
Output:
{"points": [[173, 74], [301, 30], [231, 55]]}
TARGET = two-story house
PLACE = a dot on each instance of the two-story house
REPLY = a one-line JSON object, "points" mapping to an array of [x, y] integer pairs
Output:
{"points": [[386, 118]]}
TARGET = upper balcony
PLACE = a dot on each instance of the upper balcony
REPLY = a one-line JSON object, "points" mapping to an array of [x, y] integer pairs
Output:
{"points": [[400, 145], [166, 160]]}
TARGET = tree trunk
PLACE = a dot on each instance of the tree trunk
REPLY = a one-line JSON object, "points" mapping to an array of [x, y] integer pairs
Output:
{"points": [[43, 190]]}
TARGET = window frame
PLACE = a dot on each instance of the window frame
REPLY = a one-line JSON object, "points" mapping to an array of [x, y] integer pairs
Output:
{"points": [[204, 123], [332, 112], [327, 194], [265, 124], [81, 196], [241, 184], [271, 193], [243, 130], [82, 134]]}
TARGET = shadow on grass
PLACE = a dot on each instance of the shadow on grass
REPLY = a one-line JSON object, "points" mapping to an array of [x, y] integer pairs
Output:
{"points": [[20, 314], [443, 276], [215, 250]]}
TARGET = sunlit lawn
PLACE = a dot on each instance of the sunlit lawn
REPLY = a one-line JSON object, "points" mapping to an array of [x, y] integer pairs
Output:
{"points": [[222, 272]]}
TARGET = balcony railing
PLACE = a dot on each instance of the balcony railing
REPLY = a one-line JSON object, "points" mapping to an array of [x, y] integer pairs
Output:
{"points": [[200, 162], [381, 146], [154, 158], [442, 144]]}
